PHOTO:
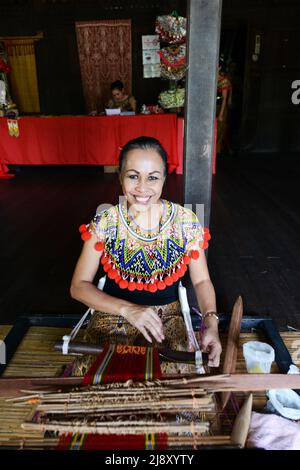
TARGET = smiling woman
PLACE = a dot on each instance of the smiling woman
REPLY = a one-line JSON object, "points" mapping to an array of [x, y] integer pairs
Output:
{"points": [[145, 245], [143, 170]]}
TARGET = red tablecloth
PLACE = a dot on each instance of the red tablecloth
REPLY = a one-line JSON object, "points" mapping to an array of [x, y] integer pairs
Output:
{"points": [[83, 140]]}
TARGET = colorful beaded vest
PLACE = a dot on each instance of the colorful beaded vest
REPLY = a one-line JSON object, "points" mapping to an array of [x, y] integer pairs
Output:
{"points": [[137, 260]]}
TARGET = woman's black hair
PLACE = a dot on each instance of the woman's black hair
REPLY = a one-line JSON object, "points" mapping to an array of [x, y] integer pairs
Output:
{"points": [[144, 143], [117, 85]]}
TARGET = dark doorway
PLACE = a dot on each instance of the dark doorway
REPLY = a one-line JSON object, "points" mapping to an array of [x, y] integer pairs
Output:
{"points": [[233, 50]]}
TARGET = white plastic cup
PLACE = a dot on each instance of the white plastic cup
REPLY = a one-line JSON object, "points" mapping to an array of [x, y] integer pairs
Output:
{"points": [[258, 356]]}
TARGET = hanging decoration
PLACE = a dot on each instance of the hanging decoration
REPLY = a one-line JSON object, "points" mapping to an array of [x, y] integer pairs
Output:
{"points": [[4, 67], [172, 98], [171, 28], [173, 62]]}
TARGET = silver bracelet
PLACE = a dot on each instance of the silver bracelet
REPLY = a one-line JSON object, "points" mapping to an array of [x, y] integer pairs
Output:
{"points": [[210, 314]]}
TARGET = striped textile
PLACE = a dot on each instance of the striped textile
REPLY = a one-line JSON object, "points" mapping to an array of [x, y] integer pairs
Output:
{"points": [[112, 442], [120, 362]]}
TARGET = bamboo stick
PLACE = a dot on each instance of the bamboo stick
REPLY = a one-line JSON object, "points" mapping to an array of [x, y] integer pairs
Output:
{"points": [[120, 428]]}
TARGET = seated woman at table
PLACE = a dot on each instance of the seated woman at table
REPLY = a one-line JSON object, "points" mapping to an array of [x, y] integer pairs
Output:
{"points": [[120, 99], [145, 245]]}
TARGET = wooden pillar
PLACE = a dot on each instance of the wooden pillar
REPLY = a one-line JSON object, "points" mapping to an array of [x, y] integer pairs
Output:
{"points": [[204, 22]]}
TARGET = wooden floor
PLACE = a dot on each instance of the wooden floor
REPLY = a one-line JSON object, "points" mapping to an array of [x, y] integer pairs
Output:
{"points": [[254, 249]]}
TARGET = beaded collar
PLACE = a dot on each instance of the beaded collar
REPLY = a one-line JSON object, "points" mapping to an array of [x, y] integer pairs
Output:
{"points": [[137, 260]]}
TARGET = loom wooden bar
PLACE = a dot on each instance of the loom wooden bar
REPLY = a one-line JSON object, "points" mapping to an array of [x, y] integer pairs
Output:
{"points": [[242, 423], [19, 329], [13, 386], [164, 353], [232, 344]]}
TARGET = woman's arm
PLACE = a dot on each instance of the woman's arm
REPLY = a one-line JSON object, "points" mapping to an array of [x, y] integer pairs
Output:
{"points": [[224, 104], [132, 102], [206, 298], [82, 288], [110, 104]]}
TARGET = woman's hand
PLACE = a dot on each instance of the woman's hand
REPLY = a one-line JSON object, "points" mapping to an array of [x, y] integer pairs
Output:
{"points": [[210, 343], [146, 320]]}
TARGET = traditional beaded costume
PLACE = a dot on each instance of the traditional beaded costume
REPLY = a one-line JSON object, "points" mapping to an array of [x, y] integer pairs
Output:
{"points": [[137, 260], [145, 269]]}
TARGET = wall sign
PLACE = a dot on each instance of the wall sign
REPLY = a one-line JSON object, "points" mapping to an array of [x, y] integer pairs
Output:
{"points": [[151, 59]]}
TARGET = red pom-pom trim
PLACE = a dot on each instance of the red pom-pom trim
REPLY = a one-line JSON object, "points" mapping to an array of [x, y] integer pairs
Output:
{"points": [[118, 279], [107, 267], [85, 236], [186, 259], [123, 284], [175, 277], [139, 286], [82, 228], [168, 281], [206, 235], [112, 273], [182, 273], [204, 245], [146, 285], [195, 254], [104, 259], [152, 287], [161, 285], [131, 286], [99, 246]]}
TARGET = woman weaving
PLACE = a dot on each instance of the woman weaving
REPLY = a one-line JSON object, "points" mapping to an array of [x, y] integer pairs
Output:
{"points": [[145, 245]]}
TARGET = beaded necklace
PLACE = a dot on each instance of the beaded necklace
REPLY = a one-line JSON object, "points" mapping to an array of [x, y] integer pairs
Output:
{"points": [[140, 230]]}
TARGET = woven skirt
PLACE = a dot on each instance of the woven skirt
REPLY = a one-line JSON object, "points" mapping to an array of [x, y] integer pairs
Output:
{"points": [[105, 328]]}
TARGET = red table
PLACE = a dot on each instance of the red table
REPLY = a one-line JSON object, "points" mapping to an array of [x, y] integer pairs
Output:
{"points": [[84, 140]]}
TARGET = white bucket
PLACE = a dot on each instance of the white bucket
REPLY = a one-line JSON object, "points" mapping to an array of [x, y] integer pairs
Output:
{"points": [[258, 356]]}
